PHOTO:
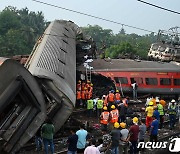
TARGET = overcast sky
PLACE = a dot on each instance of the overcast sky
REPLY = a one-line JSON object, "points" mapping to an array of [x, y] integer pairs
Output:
{"points": [[128, 12]]}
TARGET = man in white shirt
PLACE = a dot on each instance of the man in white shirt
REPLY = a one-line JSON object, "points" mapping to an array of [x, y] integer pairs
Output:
{"points": [[92, 149], [134, 87]]}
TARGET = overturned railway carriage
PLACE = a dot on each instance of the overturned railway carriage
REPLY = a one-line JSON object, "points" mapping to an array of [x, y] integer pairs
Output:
{"points": [[44, 87], [152, 77]]}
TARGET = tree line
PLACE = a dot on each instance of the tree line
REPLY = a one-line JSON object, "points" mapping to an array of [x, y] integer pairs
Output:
{"points": [[19, 30]]}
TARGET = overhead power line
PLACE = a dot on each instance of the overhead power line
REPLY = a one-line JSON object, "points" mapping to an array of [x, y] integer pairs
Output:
{"points": [[93, 16], [159, 7]]}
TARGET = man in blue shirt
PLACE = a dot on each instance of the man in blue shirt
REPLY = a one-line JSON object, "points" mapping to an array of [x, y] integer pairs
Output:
{"points": [[156, 113], [154, 129], [82, 135]]}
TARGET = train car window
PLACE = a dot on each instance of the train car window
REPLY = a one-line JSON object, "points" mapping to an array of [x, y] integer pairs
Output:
{"points": [[123, 80], [176, 82], [165, 81], [138, 80], [151, 81]]}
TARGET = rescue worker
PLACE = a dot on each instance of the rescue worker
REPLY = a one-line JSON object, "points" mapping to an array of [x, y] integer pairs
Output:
{"points": [[99, 107], [104, 118], [83, 85], [87, 94], [90, 105], [88, 84], [114, 115], [83, 98], [153, 100], [90, 90], [117, 97], [78, 99], [110, 99], [162, 102], [160, 108], [149, 113], [172, 113]]}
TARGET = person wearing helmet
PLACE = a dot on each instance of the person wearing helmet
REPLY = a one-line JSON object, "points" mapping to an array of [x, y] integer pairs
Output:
{"points": [[90, 89], [162, 102], [99, 106], [117, 97], [133, 135], [110, 99], [123, 143], [160, 108], [115, 133], [114, 115], [149, 113], [104, 119], [172, 110], [90, 105]]}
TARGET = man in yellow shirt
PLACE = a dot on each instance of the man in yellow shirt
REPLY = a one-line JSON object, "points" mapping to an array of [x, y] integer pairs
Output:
{"points": [[149, 113]]}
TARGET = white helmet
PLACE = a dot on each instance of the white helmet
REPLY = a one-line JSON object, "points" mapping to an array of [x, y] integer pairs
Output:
{"points": [[173, 101]]}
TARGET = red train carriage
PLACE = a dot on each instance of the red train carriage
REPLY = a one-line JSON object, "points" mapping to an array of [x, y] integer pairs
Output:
{"points": [[152, 77]]}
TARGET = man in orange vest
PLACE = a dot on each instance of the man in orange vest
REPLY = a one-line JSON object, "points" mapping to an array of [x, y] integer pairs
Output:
{"points": [[110, 99], [117, 97], [114, 115], [104, 119], [91, 90], [83, 98]]}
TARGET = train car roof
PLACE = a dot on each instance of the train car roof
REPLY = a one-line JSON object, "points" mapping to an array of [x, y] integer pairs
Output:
{"points": [[133, 65]]}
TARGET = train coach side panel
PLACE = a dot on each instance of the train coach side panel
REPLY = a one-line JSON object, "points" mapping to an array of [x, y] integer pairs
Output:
{"points": [[54, 61]]}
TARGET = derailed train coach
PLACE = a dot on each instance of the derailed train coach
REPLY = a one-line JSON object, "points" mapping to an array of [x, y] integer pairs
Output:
{"points": [[156, 78], [43, 87]]}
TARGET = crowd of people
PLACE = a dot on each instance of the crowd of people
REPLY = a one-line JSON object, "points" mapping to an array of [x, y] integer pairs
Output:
{"points": [[117, 134]]}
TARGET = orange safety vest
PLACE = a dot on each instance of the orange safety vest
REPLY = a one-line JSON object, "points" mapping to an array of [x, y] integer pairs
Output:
{"points": [[83, 95], [83, 86], [87, 94], [78, 95], [114, 114], [104, 117], [117, 97], [87, 85], [111, 97]]}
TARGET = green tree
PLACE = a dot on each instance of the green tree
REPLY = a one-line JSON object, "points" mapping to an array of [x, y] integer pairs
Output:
{"points": [[19, 30]]}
